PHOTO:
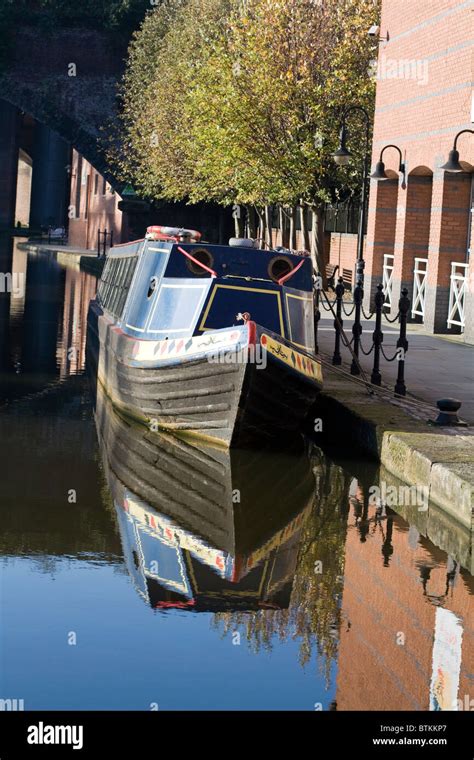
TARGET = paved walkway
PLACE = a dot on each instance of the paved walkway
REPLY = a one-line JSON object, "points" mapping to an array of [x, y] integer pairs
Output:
{"points": [[436, 366]]}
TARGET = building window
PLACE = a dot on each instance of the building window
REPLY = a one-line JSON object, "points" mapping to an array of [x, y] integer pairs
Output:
{"points": [[96, 183], [104, 186]]}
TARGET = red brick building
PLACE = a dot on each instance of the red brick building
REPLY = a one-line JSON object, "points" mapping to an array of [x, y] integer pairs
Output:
{"points": [[93, 206], [420, 231]]}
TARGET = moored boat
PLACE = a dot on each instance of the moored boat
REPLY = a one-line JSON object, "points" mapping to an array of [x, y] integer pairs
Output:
{"points": [[206, 340]]}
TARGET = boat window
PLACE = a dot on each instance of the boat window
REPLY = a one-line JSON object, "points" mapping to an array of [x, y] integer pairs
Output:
{"points": [[115, 282], [141, 301], [177, 307], [299, 309], [278, 267], [205, 257]]}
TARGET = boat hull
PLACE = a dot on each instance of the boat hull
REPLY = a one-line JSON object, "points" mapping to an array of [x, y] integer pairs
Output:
{"points": [[217, 392]]}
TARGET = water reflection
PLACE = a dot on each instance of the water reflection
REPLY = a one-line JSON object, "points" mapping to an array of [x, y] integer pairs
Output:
{"points": [[307, 593]]}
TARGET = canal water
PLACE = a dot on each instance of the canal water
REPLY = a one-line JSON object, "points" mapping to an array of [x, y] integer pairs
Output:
{"points": [[139, 575]]}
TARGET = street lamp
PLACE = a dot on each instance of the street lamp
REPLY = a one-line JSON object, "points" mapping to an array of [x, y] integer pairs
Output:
{"points": [[342, 157], [452, 164], [379, 173]]}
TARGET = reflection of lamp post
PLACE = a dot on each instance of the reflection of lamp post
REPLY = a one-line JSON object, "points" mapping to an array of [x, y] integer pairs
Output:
{"points": [[342, 157], [452, 164], [380, 173]]}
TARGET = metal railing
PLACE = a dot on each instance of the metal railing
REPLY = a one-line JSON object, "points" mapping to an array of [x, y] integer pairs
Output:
{"points": [[457, 292], [387, 283], [419, 288], [104, 236], [355, 345]]}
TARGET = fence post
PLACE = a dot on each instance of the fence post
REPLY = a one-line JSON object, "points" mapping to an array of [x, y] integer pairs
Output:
{"points": [[357, 328], [316, 313], [402, 343], [377, 335], [111, 238], [338, 322]]}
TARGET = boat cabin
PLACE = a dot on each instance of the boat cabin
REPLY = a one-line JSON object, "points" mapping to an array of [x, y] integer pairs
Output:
{"points": [[163, 289]]}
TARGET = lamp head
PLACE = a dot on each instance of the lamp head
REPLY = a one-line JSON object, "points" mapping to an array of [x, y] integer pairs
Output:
{"points": [[452, 164], [379, 172]]}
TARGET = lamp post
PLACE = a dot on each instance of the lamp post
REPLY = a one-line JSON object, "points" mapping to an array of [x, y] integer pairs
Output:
{"points": [[342, 157], [452, 164]]}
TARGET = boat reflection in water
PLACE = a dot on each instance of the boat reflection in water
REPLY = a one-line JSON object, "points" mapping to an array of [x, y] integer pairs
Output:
{"points": [[204, 529]]}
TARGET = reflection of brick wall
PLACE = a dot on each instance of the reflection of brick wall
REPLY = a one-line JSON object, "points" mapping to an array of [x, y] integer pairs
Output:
{"points": [[374, 672]]}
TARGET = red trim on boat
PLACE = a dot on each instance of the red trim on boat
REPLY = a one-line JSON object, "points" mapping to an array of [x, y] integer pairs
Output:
{"points": [[175, 605], [252, 332], [196, 261], [291, 273]]}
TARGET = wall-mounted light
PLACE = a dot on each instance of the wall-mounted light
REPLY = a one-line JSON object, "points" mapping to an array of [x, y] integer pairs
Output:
{"points": [[380, 173], [374, 31], [452, 164]]}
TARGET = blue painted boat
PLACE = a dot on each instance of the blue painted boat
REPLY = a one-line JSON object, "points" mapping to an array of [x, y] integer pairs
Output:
{"points": [[206, 340]]}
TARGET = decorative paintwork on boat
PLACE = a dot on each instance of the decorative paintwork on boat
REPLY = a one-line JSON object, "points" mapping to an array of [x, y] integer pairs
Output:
{"points": [[206, 340]]}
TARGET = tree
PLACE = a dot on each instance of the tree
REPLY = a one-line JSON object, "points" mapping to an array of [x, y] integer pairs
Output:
{"points": [[240, 101]]}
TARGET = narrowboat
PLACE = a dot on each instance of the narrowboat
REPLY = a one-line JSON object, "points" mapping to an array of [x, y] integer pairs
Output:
{"points": [[207, 341], [203, 528]]}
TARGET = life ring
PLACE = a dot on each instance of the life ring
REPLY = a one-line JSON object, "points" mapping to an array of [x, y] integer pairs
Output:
{"points": [[179, 234]]}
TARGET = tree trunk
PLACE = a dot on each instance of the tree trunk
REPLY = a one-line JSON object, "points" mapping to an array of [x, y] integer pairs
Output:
{"points": [[268, 225], [239, 221], [261, 228], [305, 228], [317, 241], [292, 241], [252, 222], [284, 228]]}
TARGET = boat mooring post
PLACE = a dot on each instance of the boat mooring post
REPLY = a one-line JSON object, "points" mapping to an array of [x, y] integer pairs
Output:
{"points": [[357, 328], [336, 358], [377, 335], [402, 343]]}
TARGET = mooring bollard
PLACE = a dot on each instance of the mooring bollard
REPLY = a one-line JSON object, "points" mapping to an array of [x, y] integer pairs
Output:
{"points": [[448, 413], [357, 328], [336, 358], [377, 335], [402, 343], [316, 315]]}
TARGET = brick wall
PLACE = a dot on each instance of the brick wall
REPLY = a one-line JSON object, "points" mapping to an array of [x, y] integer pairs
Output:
{"points": [[97, 207], [424, 96]]}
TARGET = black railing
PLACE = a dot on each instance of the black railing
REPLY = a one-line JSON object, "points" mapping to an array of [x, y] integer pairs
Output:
{"points": [[338, 309], [102, 237]]}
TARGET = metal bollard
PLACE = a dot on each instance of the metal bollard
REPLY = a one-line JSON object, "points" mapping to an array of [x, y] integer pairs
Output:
{"points": [[402, 343], [338, 322], [357, 327], [377, 335]]}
